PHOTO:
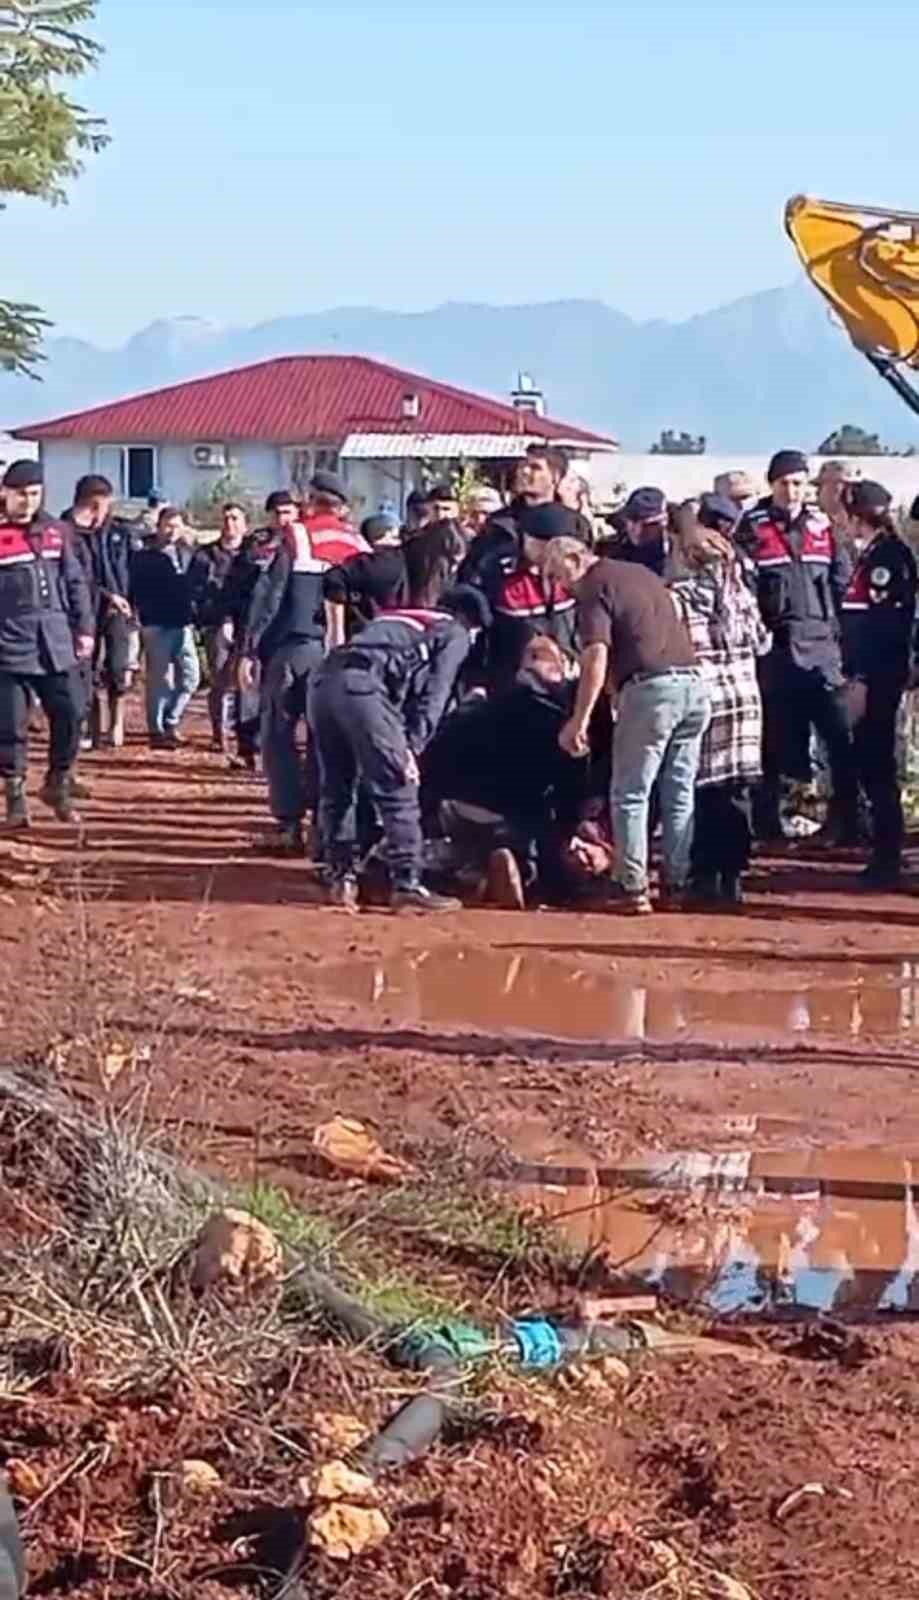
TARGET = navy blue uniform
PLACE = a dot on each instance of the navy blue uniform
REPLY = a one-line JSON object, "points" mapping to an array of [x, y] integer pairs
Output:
{"points": [[254, 557], [878, 619], [374, 705], [800, 574], [285, 628], [44, 602]]}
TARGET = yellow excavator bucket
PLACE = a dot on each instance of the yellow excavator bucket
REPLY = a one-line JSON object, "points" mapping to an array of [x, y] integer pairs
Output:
{"points": [[865, 262]]}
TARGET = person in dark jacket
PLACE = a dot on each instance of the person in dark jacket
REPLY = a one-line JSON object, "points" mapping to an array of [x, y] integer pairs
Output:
{"points": [[254, 557], [46, 627], [361, 586], [434, 553], [501, 786], [167, 582], [105, 545], [286, 631], [878, 619], [522, 601], [644, 536], [800, 574], [217, 628], [374, 706], [537, 482]]}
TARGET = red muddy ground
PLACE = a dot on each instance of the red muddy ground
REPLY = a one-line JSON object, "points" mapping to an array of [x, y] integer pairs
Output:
{"points": [[467, 1043]]}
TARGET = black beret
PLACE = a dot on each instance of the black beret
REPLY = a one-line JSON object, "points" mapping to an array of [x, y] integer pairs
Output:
{"points": [[23, 475], [550, 521], [329, 483], [865, 495], [786, 462], [279, 498]]}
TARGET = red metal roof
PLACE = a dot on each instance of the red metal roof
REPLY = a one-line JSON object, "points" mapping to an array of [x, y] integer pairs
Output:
{"points": [[295, 399]]}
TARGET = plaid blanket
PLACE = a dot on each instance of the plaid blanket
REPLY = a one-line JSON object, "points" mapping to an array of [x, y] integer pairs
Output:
{"points": [[727, 633]]}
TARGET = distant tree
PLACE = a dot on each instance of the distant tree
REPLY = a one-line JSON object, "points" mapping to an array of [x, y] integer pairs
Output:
{"points": [[672, 443], [43, 133], [852, 441]]}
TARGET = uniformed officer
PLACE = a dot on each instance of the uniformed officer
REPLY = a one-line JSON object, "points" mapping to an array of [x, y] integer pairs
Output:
{"points": [[46, 626], [878, 613], [286, 630], [374, 706], [801, 574]]}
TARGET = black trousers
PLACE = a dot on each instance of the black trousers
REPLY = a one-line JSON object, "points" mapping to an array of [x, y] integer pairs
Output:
{"points": [[875, 745], [359, 738], [723, 830], [59, 695], [112, 653], [796, 699]]}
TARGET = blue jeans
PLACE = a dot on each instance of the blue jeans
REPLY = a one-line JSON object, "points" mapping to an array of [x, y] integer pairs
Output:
{"points": [[659, 729], [173, 675]]}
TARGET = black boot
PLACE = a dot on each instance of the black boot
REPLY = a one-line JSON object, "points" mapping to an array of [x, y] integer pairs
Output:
{"points": [[17, 811], [881, 876], [704, 889], [57, 792], [731, 890]]}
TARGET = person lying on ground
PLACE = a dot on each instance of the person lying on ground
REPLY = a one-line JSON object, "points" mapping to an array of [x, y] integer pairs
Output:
{"points": [[495, 781]]}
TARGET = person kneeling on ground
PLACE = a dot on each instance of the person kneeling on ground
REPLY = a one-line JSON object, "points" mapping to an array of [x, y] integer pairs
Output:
{"points": [[498, 783], [728, 634], [374, 705], [630, 630]]}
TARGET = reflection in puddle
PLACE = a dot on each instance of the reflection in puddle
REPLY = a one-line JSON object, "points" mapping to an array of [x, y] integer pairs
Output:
{"points": [[830, 1231], [549, 996]]}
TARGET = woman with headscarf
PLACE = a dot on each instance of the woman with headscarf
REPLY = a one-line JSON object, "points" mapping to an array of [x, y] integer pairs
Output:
{"points": [[728, 634]]}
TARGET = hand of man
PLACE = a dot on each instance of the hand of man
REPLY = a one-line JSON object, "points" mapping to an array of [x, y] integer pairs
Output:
{"points": [[573, 739], [120, 604], [84, 646], [412, 775], [247, 672]]}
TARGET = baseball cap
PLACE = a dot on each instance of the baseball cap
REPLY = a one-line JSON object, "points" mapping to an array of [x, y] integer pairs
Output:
{"points": [[715, 509], [646, 505]]}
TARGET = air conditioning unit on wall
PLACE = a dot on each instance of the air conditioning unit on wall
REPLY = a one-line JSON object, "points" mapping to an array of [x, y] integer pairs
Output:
{"points": [[208, 455]]}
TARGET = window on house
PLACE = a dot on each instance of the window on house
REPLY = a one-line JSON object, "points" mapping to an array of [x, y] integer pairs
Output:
{"points": [[132, 468], [302, 461]]}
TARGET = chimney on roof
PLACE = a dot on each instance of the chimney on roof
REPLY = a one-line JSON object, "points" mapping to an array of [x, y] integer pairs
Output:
{"points": [[411, 407], [526, 398]]}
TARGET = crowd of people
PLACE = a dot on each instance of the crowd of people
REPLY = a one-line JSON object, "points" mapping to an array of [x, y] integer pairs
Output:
{"points": [[511, 697]]}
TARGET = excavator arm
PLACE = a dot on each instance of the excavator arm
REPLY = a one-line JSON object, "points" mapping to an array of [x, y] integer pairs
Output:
{"points": [[865, 262]]}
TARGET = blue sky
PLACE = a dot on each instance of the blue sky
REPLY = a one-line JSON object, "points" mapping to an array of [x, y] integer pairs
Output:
{"points": [[273, 158]]}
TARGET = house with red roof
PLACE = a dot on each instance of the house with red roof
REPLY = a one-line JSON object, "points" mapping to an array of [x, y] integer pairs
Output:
{"points": [[273, 424]]}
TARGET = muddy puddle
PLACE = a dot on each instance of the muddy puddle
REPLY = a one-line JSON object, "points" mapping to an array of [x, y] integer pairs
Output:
{"points": [[548, 996], [751, 1233]]}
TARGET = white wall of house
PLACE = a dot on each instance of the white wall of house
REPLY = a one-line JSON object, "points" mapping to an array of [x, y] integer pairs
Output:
{"points": [[65, 460], [682, 477]]}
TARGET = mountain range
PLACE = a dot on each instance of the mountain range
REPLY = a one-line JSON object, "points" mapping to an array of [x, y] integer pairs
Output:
{"points": [[767, 369]]}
